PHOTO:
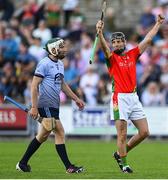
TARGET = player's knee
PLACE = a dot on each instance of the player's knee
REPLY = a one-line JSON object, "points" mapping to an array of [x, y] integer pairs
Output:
{"points": [[145, 133], [45, 137], [42, 138], [60, 134]]}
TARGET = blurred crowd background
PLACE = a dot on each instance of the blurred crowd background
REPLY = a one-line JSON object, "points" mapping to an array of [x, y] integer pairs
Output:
{"points": [[25, 27]]}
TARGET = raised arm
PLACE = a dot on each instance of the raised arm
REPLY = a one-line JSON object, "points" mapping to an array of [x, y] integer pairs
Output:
{"points": [[148, 38], [105, 48]]}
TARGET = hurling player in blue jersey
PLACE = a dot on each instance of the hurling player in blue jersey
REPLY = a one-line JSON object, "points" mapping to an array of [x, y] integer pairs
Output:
{"points": [[47, 83]]}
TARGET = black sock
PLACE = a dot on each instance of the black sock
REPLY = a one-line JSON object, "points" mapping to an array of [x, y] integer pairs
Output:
{"points": [[61, 150], [33, 146]]}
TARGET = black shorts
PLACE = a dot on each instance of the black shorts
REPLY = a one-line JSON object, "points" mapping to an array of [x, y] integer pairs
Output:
{"points": [[49, 112]]}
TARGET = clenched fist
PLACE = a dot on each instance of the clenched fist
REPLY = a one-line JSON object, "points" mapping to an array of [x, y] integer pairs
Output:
{"points": [[160, 19], [99, 26]]}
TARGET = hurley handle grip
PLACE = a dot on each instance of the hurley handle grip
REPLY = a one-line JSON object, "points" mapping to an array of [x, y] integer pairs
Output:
{"points": [[97, 36]]}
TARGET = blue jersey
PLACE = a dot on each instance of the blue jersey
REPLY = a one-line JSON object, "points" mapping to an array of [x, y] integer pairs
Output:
{"points": [[52, 73]]}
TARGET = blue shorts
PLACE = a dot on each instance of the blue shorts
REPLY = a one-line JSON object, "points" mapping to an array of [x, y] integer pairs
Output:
{"points": [[49, 112]]}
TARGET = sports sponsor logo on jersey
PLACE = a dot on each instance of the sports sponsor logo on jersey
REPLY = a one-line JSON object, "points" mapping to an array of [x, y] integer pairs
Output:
{"points": [[126, 64], [58, 78]]}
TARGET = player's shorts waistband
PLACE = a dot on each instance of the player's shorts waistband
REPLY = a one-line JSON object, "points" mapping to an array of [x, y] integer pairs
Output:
{"points": [[125, 94]]}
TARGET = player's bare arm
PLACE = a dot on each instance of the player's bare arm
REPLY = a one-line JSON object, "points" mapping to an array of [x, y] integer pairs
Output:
{"points": [[148, 38], [34, 95], [72, 95], [106, 49]]}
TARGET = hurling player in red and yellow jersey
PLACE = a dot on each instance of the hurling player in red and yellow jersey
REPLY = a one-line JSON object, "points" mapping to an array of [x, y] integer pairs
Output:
{"points": [[125, 104]]}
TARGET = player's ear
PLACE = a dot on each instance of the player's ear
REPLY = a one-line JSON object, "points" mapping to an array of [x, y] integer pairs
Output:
{"points": [[54, 51]]}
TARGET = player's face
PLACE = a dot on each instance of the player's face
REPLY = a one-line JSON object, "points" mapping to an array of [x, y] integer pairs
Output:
{"points": [[62, 51], [118, 44]]}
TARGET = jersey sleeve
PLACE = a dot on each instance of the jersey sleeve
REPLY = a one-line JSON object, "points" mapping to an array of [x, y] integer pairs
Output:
{"points": [[135, 53], [40, 70]]}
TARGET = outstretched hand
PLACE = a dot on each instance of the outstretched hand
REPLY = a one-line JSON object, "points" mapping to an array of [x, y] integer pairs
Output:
{"points": [[80, 104], [99, 26], [160, 19]]}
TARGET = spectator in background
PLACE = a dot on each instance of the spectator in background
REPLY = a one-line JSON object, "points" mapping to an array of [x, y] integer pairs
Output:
{"points": [[1, 99], [151, 73], [156, 55], [53, 13], [5, 83], [76, 25], [164, 82], [8, 82], [147, 19], [68, 8], [9, 46], [26, 12], [86, 47], [162, 8], [151, 95], [162, 1], [1, 62], [79, 63], [30, 12], [88, 85], [25, 62], [132, 41], [36, 49], [25, 31], [5, 86], [7, 9], [162, 44], [110, 20], [71, 75], [103, 96], [42, 32], [27, 93]]}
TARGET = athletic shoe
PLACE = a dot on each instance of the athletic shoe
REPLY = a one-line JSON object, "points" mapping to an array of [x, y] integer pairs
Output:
{"points": [[127, 169], [23, 167], [74, 169], [118, 159]]}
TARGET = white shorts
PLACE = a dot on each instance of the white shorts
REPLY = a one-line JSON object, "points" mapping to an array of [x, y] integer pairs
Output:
{"points": [[126, 106]]}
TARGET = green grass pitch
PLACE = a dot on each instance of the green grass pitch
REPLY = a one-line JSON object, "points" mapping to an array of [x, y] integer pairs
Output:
{"points": [[149, 160]]}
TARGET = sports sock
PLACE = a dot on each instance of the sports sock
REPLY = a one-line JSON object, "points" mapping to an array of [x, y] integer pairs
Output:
{"points": [[61, 150], [124, 160], [33, 146]]}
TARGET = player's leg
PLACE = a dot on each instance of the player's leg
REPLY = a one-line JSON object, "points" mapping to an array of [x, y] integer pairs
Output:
{"points": [[121, 127], [121, 155], [143, 132], [61, 149], [120, 110], [139, 120], [31, 149]]}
